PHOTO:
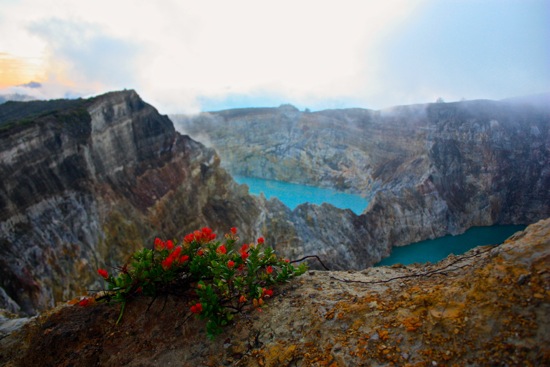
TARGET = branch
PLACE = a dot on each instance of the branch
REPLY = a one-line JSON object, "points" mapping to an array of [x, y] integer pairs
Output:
{"points": [[308, 257]]}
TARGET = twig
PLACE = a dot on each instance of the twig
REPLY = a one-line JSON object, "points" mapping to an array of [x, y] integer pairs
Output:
{"points": [[308, 257], [151, 303]]}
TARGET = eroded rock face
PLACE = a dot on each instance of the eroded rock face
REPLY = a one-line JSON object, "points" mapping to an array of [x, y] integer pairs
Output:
{"points": [[86, 185], [429, 170]]}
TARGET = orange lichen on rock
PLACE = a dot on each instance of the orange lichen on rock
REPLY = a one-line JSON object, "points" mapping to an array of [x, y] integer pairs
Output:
{"points": [[411, 323]]}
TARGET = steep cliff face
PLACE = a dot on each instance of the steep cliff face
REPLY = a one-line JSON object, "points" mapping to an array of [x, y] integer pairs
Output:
{"points": [[483, 163], [85, 185], [429, 170]]}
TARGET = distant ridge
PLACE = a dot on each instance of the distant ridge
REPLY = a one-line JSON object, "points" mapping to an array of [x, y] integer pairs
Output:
{"points": [[538, 100], [15, 97]]}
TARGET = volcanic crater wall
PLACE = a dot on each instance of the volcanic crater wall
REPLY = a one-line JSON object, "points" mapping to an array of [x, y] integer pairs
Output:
{"points": [[428, 170], [85, 185], [87, 182]]}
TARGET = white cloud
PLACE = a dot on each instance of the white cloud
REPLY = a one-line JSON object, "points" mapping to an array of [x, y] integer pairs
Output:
{"points": [[179, 53], [181, 50], [89, 55]]}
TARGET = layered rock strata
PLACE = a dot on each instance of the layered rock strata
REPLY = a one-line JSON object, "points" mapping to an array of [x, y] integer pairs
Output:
{"points": [[85, 185]]}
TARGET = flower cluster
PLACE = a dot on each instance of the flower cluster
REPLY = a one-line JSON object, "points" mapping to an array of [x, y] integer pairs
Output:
{"points": [[205, 235], [224, 279]]}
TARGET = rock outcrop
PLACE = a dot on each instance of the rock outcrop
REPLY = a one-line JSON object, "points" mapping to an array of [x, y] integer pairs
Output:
{"points": [[428, 170], [87, 182], [488, 307]]}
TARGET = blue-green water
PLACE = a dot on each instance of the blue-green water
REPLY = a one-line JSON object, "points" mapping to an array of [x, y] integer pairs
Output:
{"points": [[293, 195], [438, 249], [432, 251]]}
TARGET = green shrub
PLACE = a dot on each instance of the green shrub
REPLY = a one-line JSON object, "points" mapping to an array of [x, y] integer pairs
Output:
{"points": [[219, 279]]}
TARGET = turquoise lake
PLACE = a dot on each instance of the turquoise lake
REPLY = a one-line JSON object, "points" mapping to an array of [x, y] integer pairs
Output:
{"points": [[293, 195], [438, 249], [432, 251]]}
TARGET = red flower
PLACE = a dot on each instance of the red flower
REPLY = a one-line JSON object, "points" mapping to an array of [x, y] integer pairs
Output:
{"points": [[221, 250], [234, 230], [159, 244], [176, 252], [230, 264], [103, 273], [269, 269], [169, 244], [267, 293], [167, 263], [242, 299], [200, 252], [244, 252], [207, 234], [197, 308], [203, 236], [184, 258], [260, 240]]}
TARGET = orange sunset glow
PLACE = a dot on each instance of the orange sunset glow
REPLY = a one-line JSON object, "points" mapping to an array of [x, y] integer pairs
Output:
{"points": [[16, 71]]}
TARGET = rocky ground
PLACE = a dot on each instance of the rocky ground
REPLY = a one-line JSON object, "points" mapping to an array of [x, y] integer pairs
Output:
{"points": [[488, 307]]}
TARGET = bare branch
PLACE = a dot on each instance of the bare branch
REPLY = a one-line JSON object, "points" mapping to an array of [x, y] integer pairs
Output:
{"points": [[308, 257]]}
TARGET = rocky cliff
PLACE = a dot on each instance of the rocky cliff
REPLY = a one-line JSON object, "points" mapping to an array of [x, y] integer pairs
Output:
{"points": [[429, 170], [488, 307], [86, 182]]}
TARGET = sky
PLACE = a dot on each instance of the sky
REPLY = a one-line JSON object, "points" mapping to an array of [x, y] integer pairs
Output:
{"points": [[186, 56]]}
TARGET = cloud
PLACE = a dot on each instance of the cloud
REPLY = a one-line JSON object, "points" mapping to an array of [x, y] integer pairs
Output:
{"points": [[14, 71], [84, 54], [184, 55], [31, 84], [306, 52]]}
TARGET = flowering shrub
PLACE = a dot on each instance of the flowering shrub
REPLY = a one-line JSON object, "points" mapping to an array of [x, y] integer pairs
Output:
{"points": [[219, 279]]}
